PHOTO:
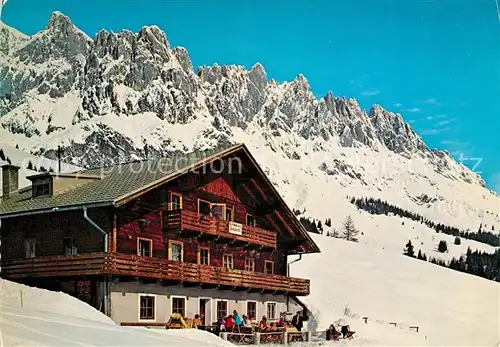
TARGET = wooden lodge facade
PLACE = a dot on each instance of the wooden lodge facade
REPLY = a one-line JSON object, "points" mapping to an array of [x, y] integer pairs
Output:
{"points": [[204, 232]]}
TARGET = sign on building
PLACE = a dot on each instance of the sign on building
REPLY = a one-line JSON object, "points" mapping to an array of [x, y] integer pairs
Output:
{"points": [[235, 228]]}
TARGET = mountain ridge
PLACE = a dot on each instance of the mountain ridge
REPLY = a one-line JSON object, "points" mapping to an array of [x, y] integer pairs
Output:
{"points": [[113, 98]]}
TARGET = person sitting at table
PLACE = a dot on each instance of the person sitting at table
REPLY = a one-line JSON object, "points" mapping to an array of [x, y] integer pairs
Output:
{"points": [[263, 323], [282, 322], [229, 323], [246, 322], [196, 321]]}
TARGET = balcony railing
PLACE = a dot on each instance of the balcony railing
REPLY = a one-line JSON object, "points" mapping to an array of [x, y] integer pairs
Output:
{"points": [[179, 220], [149, 267]]}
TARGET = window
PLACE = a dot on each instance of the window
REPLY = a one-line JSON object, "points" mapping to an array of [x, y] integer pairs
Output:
{"points": [[42, 189], [176, 251], [271, 310], [251, 309], [144, 247], [221, 309], [218, 211], [250, 220], [29, 248], [204, 256], [204, 208], [229, 214], [227, 261], [147, 307], [69, 245], [269, 267], [179, 306], [175, 202], [41, 186], [249, 264]]}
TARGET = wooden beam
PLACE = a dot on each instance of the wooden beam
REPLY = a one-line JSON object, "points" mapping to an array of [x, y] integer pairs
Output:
{"points": [[284, 223], [271, 220], [259, 189], [249, 191]]}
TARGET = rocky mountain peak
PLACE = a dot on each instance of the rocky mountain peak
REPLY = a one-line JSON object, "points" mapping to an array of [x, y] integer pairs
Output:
{"points": [[155, 39], [140, 76], [59, 21]]}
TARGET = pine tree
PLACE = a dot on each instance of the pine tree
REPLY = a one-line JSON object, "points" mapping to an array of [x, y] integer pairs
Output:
{"points": [[457, 240], [2, 155], [349, 231], [30, 165], [328, 222], [409, 251], [320, 227], [17, 146], [442, 246], [419, 255]]}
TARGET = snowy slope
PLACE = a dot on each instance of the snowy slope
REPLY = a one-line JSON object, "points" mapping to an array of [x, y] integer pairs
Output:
{"points": [[56, 319], [450, 308]]}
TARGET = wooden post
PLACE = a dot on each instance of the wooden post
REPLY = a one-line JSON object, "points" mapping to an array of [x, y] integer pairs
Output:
{"points": [[113, 235], [285, 337], [365, 319], [22, 298], [393, 323], [224, 336], [257, 338]]}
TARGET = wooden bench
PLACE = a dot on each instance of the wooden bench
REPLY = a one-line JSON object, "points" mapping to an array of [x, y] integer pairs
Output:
{"points": [[350, 335], [295, 336]]}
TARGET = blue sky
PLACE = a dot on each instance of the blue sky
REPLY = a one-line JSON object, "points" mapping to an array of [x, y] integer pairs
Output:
{"points": [[436, 62]]}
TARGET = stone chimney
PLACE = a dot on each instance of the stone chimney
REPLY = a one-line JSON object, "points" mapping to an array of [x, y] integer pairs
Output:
{"points": [[10, 179]]}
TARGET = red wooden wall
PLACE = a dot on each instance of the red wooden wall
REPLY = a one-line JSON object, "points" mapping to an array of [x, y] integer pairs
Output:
{"points": [[49, 231]]}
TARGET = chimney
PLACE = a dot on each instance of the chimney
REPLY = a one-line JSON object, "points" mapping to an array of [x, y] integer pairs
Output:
{"points": [[10, 179]]}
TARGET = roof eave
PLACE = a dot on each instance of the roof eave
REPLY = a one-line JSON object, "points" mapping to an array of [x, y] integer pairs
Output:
{"points": [[56, 209]]}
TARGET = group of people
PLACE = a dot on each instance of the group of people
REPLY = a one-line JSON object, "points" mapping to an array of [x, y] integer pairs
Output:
{"points": [[333, 334], [234, 323]]}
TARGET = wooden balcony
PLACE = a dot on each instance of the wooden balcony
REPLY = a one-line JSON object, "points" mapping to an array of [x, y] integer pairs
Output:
{"points": [[146, 267], [206, 227]]}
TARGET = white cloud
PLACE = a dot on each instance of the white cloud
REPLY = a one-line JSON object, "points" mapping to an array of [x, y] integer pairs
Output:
{"points": [[440, 116], [432, 101], [412, 110], [397, 104], [370, 92], [453, 143], [444, 122], [434, 131], [428, 117]]}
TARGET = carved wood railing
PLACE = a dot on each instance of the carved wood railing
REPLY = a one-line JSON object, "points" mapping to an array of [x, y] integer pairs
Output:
{"points": [[85, 264], [189, 220], [149, 267]]}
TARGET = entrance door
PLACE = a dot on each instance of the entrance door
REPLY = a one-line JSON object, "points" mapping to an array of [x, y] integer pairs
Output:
{"points": [[205, 311]]}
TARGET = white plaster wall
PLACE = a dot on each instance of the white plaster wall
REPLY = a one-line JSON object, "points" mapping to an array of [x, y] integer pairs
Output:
{"points": [[124, 297]]}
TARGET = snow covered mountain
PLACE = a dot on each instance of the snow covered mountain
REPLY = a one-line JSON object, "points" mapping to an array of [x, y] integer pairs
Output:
{"points": [[111, 98]]}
